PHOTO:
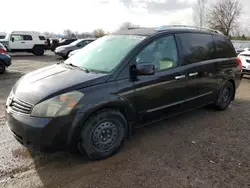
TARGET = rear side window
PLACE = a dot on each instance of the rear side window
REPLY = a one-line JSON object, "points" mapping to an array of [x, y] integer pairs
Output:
{"points": [[27, 37], [42, 38], [196, 47], [224, 47]]}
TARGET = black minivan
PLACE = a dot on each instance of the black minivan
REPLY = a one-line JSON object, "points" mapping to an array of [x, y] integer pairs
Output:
{"points": [[95, 99]]}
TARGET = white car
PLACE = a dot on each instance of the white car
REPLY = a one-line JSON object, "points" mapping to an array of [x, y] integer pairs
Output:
{"points": [[2, 35], [73, 52], [245, 59], [25, 41]]}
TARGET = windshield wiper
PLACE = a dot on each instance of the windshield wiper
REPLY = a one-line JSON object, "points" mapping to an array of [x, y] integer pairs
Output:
{"points": [[81, 68]]}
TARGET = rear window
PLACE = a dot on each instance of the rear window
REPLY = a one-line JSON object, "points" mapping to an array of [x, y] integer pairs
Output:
{"points": [[42, 38], [224, 47], [196, 47]]}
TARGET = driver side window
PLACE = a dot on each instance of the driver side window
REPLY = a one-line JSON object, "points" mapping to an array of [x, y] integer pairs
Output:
{"points": [[162, 52]]}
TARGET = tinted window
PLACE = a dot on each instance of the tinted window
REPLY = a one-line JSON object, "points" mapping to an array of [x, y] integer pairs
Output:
{"points": [[162, 53], [27, 37], [224, 48], [196, 47], [42, 38]]}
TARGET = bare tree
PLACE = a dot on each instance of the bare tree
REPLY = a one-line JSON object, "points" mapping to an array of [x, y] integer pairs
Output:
{"points": [[128, 24], [199, 12], [224, 16], [69, 33], [99, 33]]}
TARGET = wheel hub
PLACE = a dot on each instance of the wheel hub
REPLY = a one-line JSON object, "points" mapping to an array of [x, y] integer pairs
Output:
{"points": [[225, 95], [104, 135]]}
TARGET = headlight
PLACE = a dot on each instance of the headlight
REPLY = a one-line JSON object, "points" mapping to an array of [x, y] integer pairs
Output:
{"points": [[57, 106]]}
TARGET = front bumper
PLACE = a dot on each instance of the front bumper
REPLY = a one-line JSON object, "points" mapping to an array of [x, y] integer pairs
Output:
{"points": [[43, 134], [246, 71], [61, 53]]}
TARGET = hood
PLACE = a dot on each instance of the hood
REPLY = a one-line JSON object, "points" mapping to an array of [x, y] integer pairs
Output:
{"points": [[66, 47], [54, 80]]}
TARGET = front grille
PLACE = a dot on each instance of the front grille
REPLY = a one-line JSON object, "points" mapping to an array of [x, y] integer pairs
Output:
{"points": [[20, 106]]}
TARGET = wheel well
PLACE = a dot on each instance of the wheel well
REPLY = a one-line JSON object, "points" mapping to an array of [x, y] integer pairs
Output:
{"points": [[232, 81]]}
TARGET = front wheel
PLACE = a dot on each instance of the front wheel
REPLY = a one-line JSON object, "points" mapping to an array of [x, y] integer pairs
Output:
{"points": [[38, 51], [103, 134], [2, 67], [225, 96]]}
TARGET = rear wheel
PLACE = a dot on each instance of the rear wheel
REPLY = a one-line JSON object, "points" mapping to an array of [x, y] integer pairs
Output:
{"points": [[2, 67], [38, 51], [225, 96], [103, 134]]}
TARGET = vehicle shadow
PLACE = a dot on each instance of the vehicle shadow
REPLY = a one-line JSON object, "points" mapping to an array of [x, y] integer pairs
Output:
{"points": [[172, 143], [47, 57]]}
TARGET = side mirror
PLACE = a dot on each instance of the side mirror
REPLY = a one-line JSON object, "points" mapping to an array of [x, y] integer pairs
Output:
{"points": [[145, 69], [12, 39]]}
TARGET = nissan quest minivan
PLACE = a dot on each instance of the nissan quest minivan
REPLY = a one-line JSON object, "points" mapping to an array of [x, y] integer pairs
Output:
{"points": [[96, 98]]}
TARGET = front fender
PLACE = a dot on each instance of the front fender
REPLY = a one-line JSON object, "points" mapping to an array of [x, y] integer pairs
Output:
{"points": [[86, 111]]}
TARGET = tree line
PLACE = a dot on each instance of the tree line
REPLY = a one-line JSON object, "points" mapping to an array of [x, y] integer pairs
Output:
{"points": [[96, 33]]}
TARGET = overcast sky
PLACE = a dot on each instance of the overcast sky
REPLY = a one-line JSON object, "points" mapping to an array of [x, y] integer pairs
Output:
{"points": [[87, 15]]}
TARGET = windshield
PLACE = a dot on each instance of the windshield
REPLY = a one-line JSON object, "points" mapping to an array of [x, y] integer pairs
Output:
{"points": [[106, 53], [75, 42]]}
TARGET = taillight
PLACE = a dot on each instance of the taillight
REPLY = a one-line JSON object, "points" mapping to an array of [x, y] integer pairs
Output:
{"points": [[3, 51], [239, 63]]}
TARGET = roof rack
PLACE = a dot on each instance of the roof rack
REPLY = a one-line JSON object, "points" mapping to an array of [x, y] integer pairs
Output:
{"points": [[25, 32], [166, 27]]}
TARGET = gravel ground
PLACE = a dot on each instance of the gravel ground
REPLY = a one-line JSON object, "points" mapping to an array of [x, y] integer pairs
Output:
{"points": [[202, 148]]}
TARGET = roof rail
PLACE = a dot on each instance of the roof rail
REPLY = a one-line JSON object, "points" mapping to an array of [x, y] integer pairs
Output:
{"points": [[166, 27]]}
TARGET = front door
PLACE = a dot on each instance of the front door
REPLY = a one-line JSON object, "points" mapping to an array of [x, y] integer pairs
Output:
{"points": [[20, 42], [162, 94]]}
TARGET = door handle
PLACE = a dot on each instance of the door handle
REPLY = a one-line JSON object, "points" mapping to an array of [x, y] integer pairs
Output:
{"points": [[180, 77], [22, 42], [193, 74]]}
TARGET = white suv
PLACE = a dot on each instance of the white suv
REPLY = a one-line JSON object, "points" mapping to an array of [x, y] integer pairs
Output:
{"points": [[25, 41]]}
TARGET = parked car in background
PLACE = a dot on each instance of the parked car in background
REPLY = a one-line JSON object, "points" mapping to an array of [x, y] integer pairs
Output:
{"points": [[5, 59], [61, 43], [64, 51], [25, 41], [245, 59], [2, 35], [122, 81]]}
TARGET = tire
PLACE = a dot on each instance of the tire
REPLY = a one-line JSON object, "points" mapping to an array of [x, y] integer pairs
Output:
{"points": [[225, 96], [67, 56], [102, 135], [2, 67], [38, 51]]}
